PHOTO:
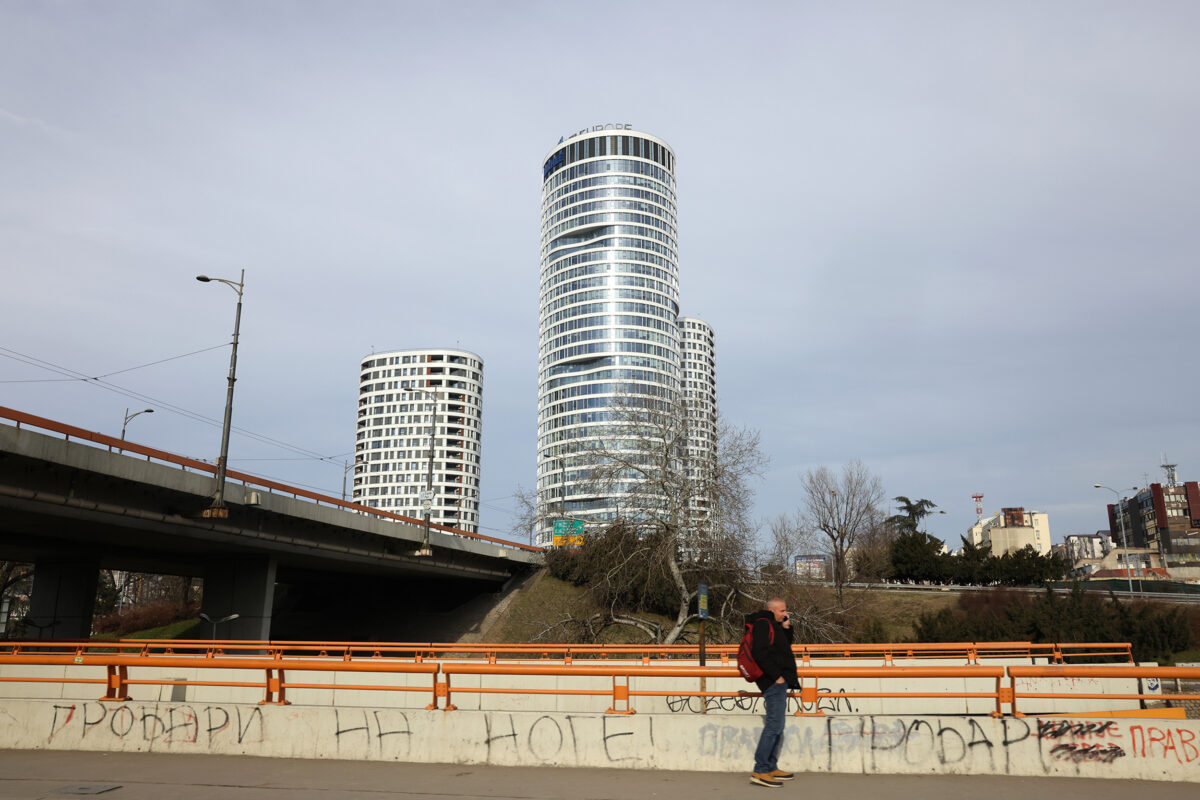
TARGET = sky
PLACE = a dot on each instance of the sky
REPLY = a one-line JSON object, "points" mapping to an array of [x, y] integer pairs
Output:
{"points": [[956, 241]]}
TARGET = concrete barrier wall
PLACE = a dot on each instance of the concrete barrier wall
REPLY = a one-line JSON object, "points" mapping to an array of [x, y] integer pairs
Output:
{"points": [[670, 702], [1147, 749]]}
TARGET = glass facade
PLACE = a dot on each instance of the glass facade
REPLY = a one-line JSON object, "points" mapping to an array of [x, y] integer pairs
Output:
{"points": [[609, 305]]}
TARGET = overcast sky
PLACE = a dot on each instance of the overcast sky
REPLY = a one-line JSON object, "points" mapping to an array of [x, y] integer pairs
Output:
{"points": [[956, 240]]}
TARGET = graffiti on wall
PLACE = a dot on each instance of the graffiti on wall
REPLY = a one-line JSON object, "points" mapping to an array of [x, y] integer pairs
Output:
{"points": [[560, 739], [835, 743], [157, 724], [939, 743], [386, 731], [1151, 741], [828, 701]]}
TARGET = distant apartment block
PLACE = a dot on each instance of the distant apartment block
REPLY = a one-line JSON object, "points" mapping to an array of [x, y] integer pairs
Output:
{"points": [[1164, 519], [1012, 530], [1086, 546]]}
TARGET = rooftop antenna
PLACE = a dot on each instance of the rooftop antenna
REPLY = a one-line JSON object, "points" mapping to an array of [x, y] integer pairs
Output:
{"points": [[978, 498], [1169, 468]]}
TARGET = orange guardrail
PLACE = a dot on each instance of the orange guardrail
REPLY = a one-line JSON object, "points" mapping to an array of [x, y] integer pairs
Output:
{"points": [[275, 683], [277, 659], [621, 692], [1075, 671], [111, 442], [970, 652]]}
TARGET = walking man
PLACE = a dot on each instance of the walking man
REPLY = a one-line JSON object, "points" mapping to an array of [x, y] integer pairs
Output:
{"points": [[771, 646]]}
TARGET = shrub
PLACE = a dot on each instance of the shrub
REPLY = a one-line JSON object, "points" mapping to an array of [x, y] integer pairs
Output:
{"points": [[142, 617], [1155, 631]]}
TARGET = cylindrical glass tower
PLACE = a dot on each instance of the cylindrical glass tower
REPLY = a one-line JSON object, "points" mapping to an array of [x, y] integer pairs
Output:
{"points": [[609, 305]]}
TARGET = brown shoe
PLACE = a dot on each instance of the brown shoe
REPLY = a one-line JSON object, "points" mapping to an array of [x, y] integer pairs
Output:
{"points": [[780, 775], [764, 779]]}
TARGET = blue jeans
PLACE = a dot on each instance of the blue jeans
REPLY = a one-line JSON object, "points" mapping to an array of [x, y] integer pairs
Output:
{"points": [[766, 755]]}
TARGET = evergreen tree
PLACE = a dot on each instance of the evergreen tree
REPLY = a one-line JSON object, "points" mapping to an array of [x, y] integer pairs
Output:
{"points": [[917, 556]]}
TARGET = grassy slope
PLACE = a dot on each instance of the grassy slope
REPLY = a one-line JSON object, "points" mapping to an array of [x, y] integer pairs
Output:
{"points": [[543, 600], [899, 610], [183, 629]]}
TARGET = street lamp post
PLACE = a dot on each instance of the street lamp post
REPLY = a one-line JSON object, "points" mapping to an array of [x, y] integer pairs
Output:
{"points": [[216, 622], [129, 416], [347, 466], [1121, 526], [218, 509], [427, 504]]}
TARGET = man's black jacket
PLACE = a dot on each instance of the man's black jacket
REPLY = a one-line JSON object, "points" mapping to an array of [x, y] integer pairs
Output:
{"points": [[774, 657]]}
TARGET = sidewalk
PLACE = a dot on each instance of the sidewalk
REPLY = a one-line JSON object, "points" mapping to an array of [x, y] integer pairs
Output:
{"points": [[145, 776]]}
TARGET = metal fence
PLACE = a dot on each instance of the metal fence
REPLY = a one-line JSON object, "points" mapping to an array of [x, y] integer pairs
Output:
{"points": [[570, 670]]}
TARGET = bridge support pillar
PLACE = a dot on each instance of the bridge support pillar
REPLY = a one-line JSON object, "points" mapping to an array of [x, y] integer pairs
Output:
{"points": [[64, 596], [243, 586]]}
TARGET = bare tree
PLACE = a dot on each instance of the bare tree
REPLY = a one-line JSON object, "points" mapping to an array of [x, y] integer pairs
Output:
{"points": [[872, 558], [527, 515], [843, 509], [700, 507], [16, 581], [787, 539]]}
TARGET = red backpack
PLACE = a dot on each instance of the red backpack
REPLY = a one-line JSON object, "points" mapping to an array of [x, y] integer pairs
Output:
{"points": [[749, 668]]}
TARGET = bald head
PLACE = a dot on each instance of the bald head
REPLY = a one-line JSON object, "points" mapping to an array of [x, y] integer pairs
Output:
{"points": [[779, 608]]}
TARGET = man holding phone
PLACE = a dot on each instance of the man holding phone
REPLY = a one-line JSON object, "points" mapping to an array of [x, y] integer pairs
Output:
{"points": [[771, 646]]}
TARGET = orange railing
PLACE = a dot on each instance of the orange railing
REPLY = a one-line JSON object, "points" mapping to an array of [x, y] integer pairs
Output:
{"points": [[111, 442], [275, 660], [806, 654], [809, 694], [1016, 673], [275, 684]]}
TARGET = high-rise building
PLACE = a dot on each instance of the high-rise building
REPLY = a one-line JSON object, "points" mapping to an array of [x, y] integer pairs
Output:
{"points": [[1164, 518], [609, 308], [698, 385], [403, 397]]}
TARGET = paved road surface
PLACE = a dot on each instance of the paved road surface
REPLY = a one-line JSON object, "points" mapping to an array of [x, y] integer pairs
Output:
{"points": [[151, 776]]}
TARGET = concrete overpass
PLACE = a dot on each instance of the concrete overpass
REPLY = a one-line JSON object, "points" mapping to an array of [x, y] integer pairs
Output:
{"points": [[74, 501]]}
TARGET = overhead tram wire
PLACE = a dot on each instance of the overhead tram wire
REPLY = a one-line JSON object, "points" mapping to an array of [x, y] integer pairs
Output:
{"points": [[34, 361], [97, 377], [169, 406]]}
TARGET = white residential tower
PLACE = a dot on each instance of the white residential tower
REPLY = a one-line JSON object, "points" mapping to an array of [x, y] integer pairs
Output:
{"points": [[403, 396]]}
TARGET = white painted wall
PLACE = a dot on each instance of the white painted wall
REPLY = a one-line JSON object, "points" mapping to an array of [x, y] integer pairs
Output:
{"points": [[1144, 749]]}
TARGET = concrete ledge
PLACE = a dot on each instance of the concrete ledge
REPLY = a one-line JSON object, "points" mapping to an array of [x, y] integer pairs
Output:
{"points": [[1146, 749]]}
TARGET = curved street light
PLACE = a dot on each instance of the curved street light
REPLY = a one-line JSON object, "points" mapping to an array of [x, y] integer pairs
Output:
{"points": [[1121, 525], [217, 509], [216, 622], [129, 416], [346, 467]]}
